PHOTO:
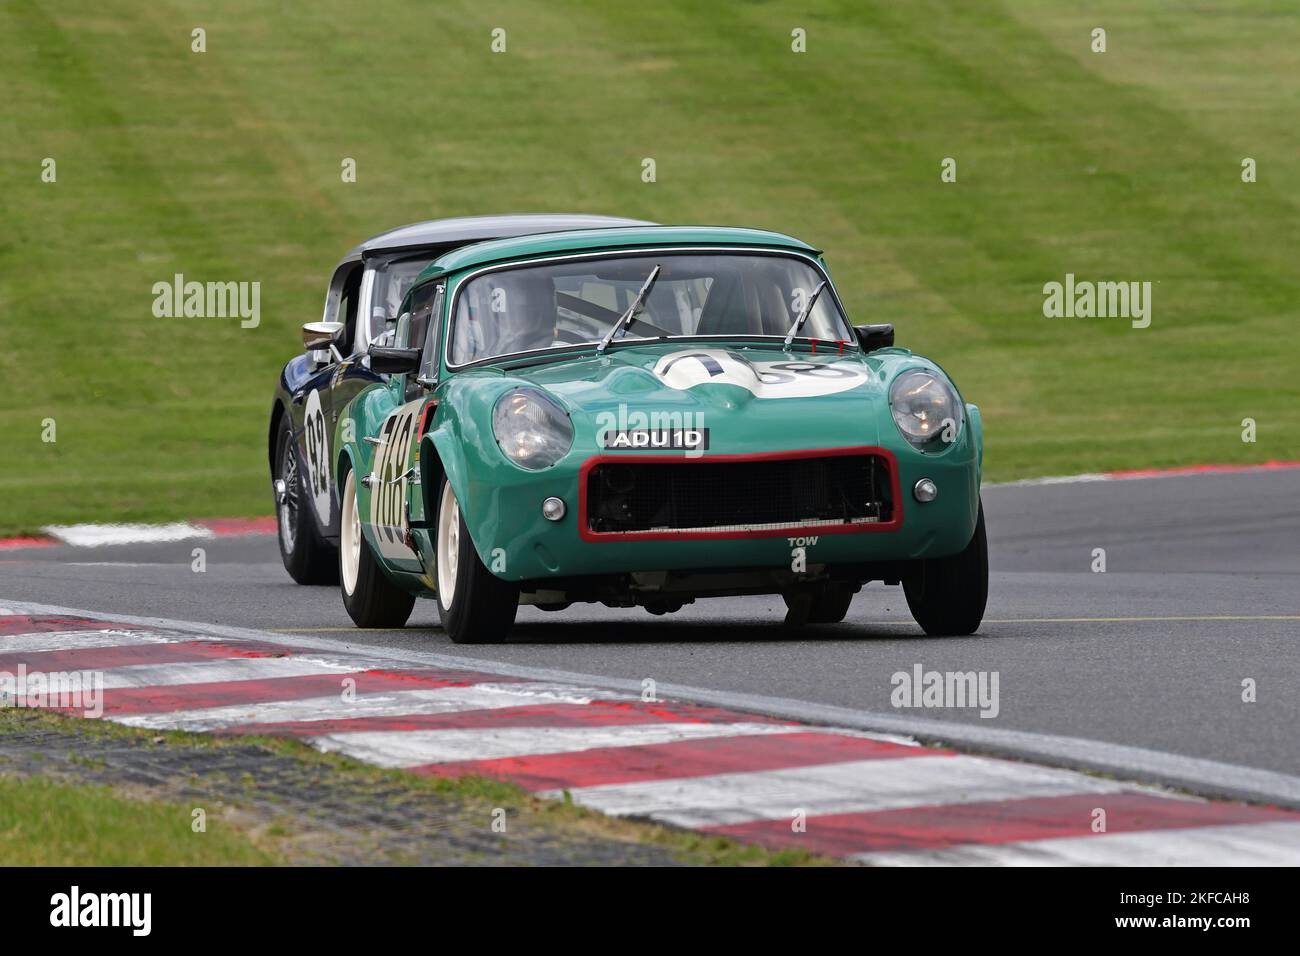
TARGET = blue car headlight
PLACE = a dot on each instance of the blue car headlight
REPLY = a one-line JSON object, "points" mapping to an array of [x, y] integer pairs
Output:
{"points": [[532, 428], [925, 407]]}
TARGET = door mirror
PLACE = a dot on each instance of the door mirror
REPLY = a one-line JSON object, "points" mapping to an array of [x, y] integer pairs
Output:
{"points": [[320, 335], [393, 361], [872, 337]]}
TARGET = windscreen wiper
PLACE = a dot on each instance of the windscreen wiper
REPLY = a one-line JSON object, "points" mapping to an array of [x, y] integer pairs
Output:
{"points": [[803, 316], [627, 318]]}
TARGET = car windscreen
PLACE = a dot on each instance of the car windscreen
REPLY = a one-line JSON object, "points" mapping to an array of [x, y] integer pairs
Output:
{"points": [[570, 302]]}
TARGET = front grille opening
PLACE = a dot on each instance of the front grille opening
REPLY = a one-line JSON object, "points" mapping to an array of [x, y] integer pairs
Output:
{"points": [[719, 496]]}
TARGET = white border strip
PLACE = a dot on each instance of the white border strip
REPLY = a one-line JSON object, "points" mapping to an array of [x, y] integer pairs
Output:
{"points": [[855, 786], [1242, 844], [98, 535], [1138, 474], [1055, 480]]}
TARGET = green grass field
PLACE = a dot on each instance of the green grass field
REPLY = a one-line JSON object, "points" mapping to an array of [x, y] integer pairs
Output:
{"points": [[44, 823], [225, 165]]}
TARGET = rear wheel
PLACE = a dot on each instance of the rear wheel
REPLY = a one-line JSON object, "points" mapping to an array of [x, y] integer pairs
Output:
{"points": [[306, 556], [947, 595], [371, 599], [476, 607]]}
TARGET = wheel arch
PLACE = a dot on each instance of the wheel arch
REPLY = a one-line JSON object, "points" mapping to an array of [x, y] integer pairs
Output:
{"points": [[432, 472], [449, 460], [441, 456], [977, 437], [342, 465], [273, 434]]}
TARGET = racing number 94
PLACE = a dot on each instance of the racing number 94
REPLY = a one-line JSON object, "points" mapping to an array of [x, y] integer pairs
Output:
{"points": [[317, 453]]}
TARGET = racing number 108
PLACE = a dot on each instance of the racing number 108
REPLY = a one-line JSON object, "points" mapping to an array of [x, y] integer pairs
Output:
{"points": [[389, 510]]}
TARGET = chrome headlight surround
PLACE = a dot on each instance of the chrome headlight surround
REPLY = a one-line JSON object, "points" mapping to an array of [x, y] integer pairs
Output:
{"points": [[532, 429], [923, 403]]}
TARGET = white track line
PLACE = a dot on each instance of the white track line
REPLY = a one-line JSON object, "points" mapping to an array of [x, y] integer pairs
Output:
{"points": [[231, 669], [441, 700], [1140, 474], [1240, 844], [551, 692], [1053, 480], [97, 535], [856, 787], [411, 748], [38, 642]]}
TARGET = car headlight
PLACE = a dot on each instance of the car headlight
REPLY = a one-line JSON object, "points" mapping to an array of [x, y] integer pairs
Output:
{"points": [[532, 429], [925, 407]]}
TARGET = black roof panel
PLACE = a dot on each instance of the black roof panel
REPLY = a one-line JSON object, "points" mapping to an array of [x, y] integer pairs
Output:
{"points": [[466, 229]]}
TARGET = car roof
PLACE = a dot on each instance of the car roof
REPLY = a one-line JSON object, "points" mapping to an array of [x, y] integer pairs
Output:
{"points": [[542, 244], [462, 230]]}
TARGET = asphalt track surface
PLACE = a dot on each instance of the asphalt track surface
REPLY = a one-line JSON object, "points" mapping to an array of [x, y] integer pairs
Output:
{"points": [[1201, 591]]}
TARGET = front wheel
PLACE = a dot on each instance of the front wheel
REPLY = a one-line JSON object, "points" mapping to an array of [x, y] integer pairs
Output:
{"points": [[476, 607], [947, 595], [371, 599]]}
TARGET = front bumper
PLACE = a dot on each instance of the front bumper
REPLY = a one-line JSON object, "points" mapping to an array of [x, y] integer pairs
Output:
{"points": [[518, 543]]}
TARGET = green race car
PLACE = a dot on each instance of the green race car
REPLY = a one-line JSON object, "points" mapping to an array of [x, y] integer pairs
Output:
{"points": [[647, 415]]}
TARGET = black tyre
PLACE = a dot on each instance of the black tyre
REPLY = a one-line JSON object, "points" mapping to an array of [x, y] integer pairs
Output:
{"points": [[306, 555], [825, 604], [371, 599], [947, 595], [476, 607]]}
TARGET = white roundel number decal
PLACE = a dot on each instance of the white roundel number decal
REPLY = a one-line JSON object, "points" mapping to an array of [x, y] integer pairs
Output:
{"points": [[316, 447], [784, 378]]}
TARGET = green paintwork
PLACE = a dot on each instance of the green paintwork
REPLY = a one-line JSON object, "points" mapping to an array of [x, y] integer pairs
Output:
{"points": [[502, 502]]}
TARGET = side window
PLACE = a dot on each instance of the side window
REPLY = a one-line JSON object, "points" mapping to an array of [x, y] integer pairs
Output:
{"points": [[433, 337], [424, 305], [341, 301], [421, 307], [348, 305]]}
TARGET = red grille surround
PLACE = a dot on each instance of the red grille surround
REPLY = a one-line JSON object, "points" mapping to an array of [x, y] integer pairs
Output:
{"points": [[882, 460]]}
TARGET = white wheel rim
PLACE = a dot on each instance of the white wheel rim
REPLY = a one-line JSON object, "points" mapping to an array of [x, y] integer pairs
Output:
{"points": [[448, 546], [350, 534]]}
